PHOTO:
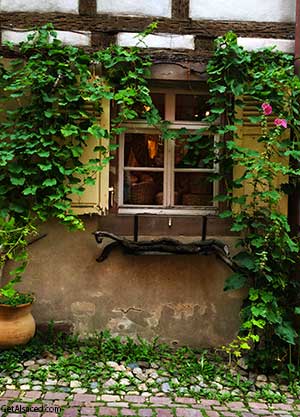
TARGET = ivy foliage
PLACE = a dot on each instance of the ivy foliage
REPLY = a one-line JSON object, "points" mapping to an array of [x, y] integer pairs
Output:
{"points": [[51, 104], [268, 255], [52, 101]]}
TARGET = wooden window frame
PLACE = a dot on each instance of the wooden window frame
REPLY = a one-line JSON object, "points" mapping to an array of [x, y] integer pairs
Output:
{"points": [[168, 168]]}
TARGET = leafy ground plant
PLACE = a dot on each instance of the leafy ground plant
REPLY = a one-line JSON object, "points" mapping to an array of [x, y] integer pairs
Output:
{"points": [[13, 238], [106, 364]]}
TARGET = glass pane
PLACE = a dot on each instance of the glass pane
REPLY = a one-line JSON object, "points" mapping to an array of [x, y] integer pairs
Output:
{"points": [[190, 154], [159, 102], [143, 150], [191, 107], [193, 189], [143, 188]]}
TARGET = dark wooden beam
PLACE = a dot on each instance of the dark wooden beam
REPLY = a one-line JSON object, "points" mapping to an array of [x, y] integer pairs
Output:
{"points": [[101, 40], [113, 24], [180, 9], [88, 7]]}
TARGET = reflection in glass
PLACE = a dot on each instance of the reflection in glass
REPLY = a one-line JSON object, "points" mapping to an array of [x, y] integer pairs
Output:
{"points": [[192, 154], [158, 100], [143, 150], [193, 189], [143, 188], [191, 107]]}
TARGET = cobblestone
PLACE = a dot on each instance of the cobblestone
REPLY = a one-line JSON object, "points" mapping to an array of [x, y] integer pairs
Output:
{"points": [[89, 405]]}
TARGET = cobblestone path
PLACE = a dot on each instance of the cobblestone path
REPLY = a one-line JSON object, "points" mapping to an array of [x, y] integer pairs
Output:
{"points": [[14, 403]]}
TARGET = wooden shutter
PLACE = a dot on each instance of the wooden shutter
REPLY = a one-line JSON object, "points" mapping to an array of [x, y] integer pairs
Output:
{"points": [[248, 134], [95, 197]]}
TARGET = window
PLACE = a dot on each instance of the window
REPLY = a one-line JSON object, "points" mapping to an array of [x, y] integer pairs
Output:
{"points": [[167, 176]]}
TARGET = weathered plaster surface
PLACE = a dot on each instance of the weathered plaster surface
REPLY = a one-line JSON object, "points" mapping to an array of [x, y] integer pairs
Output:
{"points": [[283, 45], [68, 38], [179, 298], [256, 10], [64, 6], [160, 8], [163, 40]]}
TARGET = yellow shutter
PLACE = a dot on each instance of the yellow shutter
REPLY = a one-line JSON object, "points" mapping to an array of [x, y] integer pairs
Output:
{"points": [[248, 134], [95, 197]]}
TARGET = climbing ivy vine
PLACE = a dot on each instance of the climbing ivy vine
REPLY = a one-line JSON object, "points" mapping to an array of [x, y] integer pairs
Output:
{"points": [[268, 254], [51, 102]]}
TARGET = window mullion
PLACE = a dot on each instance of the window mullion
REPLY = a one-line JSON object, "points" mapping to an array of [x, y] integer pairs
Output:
{"points": [[169, 162], [166, 174], [121, 169], [171, 172]]}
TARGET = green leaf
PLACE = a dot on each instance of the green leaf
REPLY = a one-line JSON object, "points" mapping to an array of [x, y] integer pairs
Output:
{"points": [[254, 294], [43, 154], [258, 241], [245, 260], [255, 119], [238, 227], [48, 113], [267, 297], [45, 167], [90, 181], [69, 130], [259, 310], [225, 214], [97, 131], [235, 282], [76, 151], [219, 88], [259, 323], [222, 197], [286, 332], [16, 207], [17, 181], [30, 190], [218, 111], [245, 346], [50, 182]]}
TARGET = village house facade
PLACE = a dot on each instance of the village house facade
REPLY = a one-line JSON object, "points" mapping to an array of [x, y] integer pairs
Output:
{"points": [[146, 192]]}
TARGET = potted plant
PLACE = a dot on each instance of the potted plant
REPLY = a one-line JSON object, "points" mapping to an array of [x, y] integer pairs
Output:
{"points": [[17, 325]]}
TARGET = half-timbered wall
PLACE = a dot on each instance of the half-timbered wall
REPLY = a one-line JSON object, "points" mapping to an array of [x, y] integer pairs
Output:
{"points": [[185, 31]]}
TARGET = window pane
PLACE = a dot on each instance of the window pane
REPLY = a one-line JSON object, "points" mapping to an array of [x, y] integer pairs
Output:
{"points": [[143, 188], [193, 189], [143, 150], [159, 102], [189, 154], [191, 107]]}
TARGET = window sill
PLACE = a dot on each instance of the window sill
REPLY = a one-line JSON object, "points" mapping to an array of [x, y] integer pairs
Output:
{"points": [[176, 211]]}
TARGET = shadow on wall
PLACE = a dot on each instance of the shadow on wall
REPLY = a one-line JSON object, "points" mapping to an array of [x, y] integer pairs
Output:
{"points": [[178, 298]]}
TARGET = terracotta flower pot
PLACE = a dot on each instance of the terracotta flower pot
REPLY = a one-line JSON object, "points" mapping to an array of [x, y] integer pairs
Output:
{"points": [[17, 326]]}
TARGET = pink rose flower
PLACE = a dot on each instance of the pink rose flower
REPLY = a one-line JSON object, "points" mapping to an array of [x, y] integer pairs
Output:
{"points": [[281, 122], [267, 109]]}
